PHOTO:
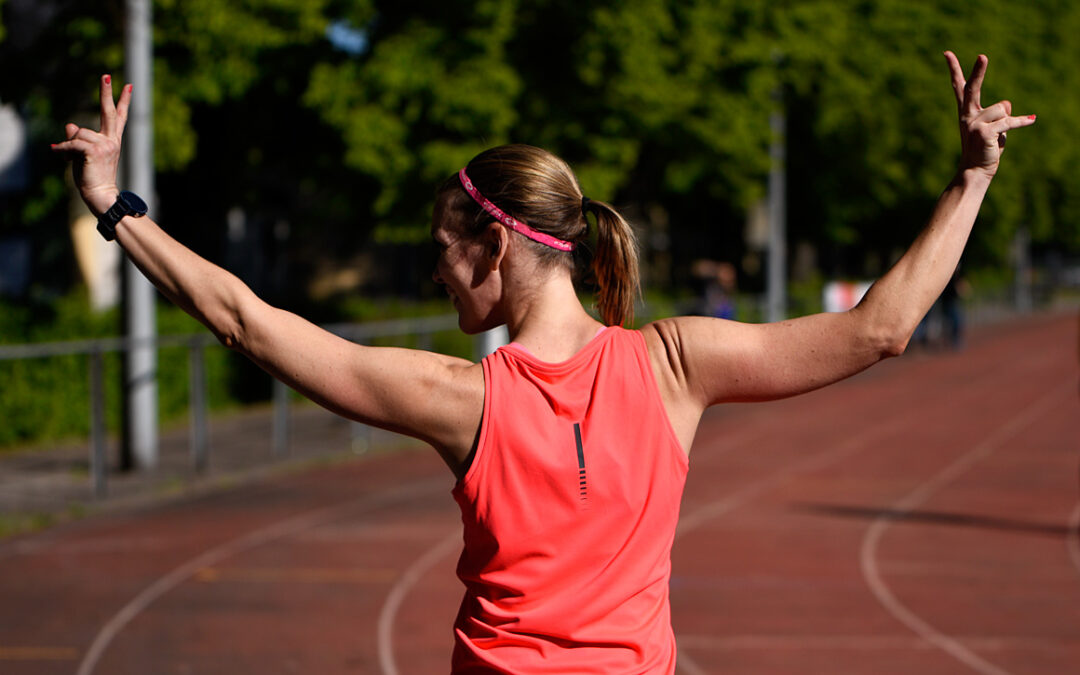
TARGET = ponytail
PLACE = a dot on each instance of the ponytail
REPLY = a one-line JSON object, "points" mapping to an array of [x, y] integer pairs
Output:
{"points": [[614, 264]]}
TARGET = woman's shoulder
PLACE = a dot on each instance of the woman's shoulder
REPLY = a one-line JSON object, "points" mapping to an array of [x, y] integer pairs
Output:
{"points": [[665, 342], [666, 336]]}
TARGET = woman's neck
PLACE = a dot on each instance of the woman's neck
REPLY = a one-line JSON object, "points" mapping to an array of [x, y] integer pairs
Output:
{"points": [[549, 321]]}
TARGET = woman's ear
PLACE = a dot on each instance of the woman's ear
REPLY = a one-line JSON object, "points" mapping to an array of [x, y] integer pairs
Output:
{"points": [[496, 241]]}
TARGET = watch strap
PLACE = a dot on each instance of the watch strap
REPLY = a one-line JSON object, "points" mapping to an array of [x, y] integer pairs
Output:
{"points": [[110, 219], [106, 224]]}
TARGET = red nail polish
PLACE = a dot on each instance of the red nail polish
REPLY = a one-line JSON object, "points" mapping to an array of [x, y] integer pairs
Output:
{"points": [[1031, 117], [108, 79]]}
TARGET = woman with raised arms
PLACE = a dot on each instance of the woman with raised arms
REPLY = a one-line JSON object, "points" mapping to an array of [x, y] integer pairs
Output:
{"points": [[569, 444]]}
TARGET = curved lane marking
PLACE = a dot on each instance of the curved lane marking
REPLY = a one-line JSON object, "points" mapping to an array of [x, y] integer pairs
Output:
{"points": [[719, 507], [396, 598], [868, 550], [685, 664], [238, 545]]}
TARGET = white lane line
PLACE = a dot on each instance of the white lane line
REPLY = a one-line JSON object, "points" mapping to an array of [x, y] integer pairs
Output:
{"points": [[686, 664], [868, 552], [719, 507], [238, 545], [400, 590], [296, 575]]}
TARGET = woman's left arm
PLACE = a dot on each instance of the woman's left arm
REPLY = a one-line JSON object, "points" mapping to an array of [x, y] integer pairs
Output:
{"points": [[701, 361]]}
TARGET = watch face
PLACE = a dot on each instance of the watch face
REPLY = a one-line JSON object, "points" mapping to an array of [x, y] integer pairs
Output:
{"points": [[132, 202]]}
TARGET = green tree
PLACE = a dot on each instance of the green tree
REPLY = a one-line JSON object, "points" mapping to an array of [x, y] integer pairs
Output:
{"points": [[662, 106], [225, 73], [872, 139]]}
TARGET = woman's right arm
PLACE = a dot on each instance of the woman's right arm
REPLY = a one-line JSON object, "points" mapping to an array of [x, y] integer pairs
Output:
{"points": [[436, 398]]}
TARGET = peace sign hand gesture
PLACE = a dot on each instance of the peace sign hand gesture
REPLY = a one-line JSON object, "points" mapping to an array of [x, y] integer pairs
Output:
{"points": [[982, 130], [95, 155]]}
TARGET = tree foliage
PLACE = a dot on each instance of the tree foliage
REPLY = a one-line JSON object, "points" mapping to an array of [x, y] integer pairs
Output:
{"points": [[661, 106], [666, 103]]}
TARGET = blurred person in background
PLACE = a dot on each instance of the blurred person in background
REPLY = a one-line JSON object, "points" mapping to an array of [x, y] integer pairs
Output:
{"points": [[952, 309], [718, 288]]}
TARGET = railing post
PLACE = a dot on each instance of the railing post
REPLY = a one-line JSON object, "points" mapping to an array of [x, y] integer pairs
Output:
{"points": [[97, 422], [197, 405], [359, 437], [281, 418]]}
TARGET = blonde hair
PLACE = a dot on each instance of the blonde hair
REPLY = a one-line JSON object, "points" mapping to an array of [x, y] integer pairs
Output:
{"points": [[535, 186]]}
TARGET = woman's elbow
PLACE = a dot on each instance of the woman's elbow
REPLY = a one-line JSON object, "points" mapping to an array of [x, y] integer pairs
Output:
{"points": [[886, 339], [890, 339], [229, 323], [228, 333], [883, 328], [896, 346]]}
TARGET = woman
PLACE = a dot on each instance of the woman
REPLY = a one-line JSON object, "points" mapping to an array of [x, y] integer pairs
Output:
{"points": [[570, 445]]}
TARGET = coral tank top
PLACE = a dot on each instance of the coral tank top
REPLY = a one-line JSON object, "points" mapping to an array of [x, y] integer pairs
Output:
{"points": [[569, 510]]}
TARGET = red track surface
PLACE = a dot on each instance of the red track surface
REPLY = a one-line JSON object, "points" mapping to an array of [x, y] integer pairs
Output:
{"points": [[920, 518]]}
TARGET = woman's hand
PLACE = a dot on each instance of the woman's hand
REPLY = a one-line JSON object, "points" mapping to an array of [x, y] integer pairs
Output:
{"points": [[95, 155], [982, 130]]}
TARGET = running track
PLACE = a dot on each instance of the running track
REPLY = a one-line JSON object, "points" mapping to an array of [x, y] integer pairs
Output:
{"points": [[920, 518]]}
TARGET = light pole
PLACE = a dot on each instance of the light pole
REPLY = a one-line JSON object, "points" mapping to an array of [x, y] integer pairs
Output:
{"points": [[140, 385], [776, 290]]}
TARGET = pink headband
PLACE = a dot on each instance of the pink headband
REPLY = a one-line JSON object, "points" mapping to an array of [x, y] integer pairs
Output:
{"points": [[510, 221]]}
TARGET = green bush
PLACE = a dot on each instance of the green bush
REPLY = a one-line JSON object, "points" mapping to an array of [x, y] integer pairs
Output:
{"points": [[357, 309], [48, 398]]}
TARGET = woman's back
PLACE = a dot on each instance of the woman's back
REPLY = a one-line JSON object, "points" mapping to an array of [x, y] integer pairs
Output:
{"points": [[570, 506]]}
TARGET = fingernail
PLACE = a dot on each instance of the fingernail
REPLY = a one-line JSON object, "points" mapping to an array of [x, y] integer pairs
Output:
{"points": [[108, 79], [1031, 117], [52, 145]]}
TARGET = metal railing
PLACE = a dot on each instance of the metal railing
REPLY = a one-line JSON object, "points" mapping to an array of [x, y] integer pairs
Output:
{"points": [[422, 329]]}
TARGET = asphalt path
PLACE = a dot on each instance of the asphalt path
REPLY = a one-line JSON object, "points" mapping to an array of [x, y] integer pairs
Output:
{"points": [[919, 518]]}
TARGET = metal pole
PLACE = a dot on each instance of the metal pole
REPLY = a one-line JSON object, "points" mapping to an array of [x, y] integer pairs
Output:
{"points": [[1022, 267], [97, 424], [197, 406], [490, 340], [777, 265], [140, 389]]}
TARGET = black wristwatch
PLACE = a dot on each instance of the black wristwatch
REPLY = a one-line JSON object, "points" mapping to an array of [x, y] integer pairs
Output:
{"points": [[127, 204]]}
